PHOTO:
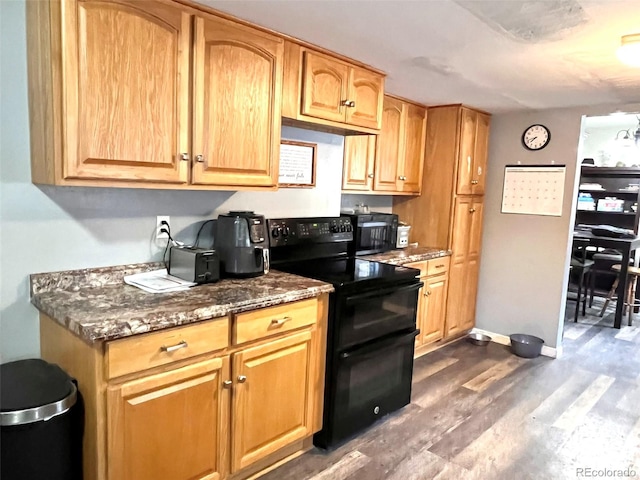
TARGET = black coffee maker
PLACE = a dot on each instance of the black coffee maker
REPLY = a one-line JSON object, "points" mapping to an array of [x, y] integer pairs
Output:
{"points": [[241, 241]]}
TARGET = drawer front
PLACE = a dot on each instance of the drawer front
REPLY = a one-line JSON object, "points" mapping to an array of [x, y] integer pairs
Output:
{"points": [[148, 350], [438, 265], [266, 322], [422, 266]]}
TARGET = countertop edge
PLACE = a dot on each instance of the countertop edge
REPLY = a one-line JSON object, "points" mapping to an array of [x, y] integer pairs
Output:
{"points": [[181, 318]]}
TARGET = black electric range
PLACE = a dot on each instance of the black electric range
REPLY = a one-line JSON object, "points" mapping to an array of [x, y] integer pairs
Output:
{"points": [[371, 326]]}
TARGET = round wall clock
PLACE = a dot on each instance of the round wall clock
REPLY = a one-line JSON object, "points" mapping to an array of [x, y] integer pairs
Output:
{"points": [[536, 137]]}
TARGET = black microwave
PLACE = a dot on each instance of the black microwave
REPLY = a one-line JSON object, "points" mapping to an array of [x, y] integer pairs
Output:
{"points": [[374, 232]]}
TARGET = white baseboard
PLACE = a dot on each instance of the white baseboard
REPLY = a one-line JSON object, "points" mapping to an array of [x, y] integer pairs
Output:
{"points": [[504, 340]]}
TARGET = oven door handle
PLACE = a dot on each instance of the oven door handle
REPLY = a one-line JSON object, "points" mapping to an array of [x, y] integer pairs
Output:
{"points": [[377, 347], [377, 293]]}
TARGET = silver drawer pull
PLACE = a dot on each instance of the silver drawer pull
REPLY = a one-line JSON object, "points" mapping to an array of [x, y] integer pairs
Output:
{"points": [[242, 378], [173, 348], [227, 384], [474, 182], [440, 266], [280, 321]]}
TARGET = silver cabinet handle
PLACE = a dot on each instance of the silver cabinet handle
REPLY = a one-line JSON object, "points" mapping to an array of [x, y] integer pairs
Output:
{"points": [[439, 266], [427, 293], [173, 348], [471, 210], [184, 157], [474, 182], [348, 103], [200, 158], [242, 378], [370, 175], [280, 321], [402, 177], [227, 384]]}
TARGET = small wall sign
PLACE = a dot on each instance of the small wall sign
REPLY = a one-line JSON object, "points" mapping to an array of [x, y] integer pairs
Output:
{"points": [[297, 164]]}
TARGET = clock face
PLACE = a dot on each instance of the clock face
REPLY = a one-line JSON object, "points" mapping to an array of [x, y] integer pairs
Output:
{"points": [[536, 137]]}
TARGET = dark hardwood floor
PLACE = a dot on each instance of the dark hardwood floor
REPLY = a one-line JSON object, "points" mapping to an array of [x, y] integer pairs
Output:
{"points": [[483, 413]]}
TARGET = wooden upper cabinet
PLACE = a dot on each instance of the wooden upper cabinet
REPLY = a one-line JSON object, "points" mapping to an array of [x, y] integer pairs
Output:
{"points": [[126, 90], [472, 161], [170, 425], [329, 91], [390, 146], [359, 161], [399, 152], [325, 87], [237, 101], [415, 135], [366, 91]]}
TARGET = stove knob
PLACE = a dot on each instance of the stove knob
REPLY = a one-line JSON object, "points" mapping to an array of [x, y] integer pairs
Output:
{"points": [[334, 229], [343, 228], [275, 233], [348, 227], [286, 231]]}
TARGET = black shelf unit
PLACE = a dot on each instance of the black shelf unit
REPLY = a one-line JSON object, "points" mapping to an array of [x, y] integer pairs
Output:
{"points": [[613, 181]]}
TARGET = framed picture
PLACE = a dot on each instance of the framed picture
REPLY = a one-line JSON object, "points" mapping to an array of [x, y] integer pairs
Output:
{"points": [[297, 164]]}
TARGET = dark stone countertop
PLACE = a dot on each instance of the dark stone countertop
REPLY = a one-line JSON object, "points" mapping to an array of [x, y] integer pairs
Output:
{"points": [[97, 305], [403, 256]]}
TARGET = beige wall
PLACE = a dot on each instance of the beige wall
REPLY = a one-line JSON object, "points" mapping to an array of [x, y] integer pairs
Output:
{"points": [[524, 270]]}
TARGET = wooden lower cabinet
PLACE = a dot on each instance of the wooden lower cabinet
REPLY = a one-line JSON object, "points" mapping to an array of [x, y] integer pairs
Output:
{"points": [[237, 406], [463, 274], [172, 425], [272, 404], [432, 299]]}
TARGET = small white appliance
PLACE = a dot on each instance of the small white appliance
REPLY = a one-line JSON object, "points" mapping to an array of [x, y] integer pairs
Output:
{"points": [[402, 239]]}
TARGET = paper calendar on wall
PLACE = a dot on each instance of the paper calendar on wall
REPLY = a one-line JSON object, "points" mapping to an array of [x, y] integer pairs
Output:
{"points": [[533, 189]]}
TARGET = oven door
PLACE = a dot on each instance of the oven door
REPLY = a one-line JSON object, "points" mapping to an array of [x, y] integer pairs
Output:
{"points": [[370, 381], [362, 317]]}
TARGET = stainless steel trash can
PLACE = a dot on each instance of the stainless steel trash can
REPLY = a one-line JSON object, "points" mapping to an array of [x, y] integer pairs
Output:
{"points": [[41, 422]]}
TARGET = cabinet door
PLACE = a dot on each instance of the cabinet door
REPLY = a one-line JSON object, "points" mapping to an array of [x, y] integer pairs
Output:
{"points": [[481, 151], [358, 165], [273, 399], [366, 91], [126, 81], [390, 147], [465, 259], [435, 294], [237, 101], [468, 317], [171, 425], [324, 87], [468, 120], [415, 134]]}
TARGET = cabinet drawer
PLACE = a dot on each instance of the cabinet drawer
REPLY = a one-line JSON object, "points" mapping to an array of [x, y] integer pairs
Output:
{"points": [[149, 350], [438, 265], [273, 320], [422, 266]]}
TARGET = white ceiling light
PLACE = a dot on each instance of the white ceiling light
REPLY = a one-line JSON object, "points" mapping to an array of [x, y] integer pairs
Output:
{"points": [[629, 50]]}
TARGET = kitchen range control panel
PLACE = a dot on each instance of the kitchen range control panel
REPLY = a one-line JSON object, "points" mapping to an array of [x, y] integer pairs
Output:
{"points": [[292, 231]]}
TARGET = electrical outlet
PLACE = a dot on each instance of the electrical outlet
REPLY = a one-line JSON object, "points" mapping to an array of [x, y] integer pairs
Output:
{"points": [[161, 235]]}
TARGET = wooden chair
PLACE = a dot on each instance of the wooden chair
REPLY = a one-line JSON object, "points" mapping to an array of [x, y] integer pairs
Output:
{"points": [[581, 267], [630, 301]]}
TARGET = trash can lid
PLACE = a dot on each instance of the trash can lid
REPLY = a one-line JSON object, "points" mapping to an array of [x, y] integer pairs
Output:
{"points": [[33, 390]]}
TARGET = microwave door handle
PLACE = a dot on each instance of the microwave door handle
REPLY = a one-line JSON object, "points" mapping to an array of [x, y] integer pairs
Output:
{"points": [[377, 347]]}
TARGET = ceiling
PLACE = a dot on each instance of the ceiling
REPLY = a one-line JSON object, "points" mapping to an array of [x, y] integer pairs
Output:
{"points": [[500, 55]]}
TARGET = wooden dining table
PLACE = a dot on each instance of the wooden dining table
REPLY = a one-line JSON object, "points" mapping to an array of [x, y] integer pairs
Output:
{"points": [[625, 246]]}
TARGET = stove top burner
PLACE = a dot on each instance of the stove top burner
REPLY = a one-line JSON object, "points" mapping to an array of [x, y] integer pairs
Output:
{"points": [[351, 271]]}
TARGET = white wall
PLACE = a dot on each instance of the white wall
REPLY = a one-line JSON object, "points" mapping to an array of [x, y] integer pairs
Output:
{"points": [[523, 269], [46, 228]]}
